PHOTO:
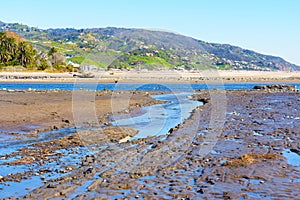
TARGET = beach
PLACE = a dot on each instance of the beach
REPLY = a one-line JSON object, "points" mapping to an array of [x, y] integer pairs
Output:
{"points": [[238, 144], [22, 110], [124, 100], [155, 76]]}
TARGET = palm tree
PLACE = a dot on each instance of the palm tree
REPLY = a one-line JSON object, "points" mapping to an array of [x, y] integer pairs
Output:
{"points": [[9, 48], [52, 51], [26, 54]]}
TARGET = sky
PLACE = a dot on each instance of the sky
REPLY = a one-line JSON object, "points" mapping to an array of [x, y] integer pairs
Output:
{"points": [[266, 26]]}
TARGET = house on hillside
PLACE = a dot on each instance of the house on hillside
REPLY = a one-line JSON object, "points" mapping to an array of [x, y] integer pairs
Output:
{"points": [[73, 64], [89, 68]]}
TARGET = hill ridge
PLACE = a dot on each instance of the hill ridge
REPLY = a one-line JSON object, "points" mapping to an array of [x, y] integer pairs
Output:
{"points": [[152, 48]]}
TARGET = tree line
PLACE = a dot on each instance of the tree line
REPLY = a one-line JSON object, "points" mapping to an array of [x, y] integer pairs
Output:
{"points": [[14, 51]]}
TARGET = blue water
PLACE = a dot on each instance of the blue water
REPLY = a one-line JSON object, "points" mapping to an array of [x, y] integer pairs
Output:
{"points": [[292, 158], [132, 86], [158, 119]]}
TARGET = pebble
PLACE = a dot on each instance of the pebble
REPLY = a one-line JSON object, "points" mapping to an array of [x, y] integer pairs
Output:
{"points": [[66, 121], [51, 186], [69, 168], [189, 187]]}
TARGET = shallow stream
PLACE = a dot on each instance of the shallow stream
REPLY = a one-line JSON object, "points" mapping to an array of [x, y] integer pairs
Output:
{"points": [[155, 120]]}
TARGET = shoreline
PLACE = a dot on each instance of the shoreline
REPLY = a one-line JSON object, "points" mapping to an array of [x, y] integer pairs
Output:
{"points": [[244, 143], [154, 77], [87, 81], [44, 115]]}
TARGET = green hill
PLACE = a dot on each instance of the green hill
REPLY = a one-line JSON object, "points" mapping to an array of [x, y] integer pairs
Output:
{"points": [[139, 48]]}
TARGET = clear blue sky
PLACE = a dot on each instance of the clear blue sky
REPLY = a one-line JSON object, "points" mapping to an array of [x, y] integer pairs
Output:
{"points": [[266, 26]]}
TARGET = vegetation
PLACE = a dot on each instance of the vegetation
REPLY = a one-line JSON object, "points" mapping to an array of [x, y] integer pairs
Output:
{"points": [[15, 51], [77, 59]]}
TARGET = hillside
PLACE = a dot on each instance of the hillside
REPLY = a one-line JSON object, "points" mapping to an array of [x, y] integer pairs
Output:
{"points": [[138, 48]]}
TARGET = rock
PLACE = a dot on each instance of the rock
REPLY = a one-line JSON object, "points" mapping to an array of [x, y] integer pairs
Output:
{"points": [[51, 185], [275, 87], [107, 124], [69, 168], [89, 171], [203, 100], [89, 159], [259, 87], [124, 139], [62, 171], [94, 185], [66, 121], [200, 191], [189, 187], [295, 151]]}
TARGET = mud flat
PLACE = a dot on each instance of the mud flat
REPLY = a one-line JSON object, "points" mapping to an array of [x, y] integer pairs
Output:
{"points": [[26, 110], [238, 145]]}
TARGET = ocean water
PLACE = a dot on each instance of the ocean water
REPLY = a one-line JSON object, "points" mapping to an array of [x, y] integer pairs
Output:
{"points": [[133, 86]]}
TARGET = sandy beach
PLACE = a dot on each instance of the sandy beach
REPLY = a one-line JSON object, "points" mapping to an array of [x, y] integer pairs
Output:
{"points": [[155, 76]]}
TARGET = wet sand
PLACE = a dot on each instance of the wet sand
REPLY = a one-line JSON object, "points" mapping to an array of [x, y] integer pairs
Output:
{"points": [[29, 110], [242, 150]]}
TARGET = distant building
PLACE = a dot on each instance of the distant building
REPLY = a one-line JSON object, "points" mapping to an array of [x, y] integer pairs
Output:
{"points": [[89, 68], [72, 63]]}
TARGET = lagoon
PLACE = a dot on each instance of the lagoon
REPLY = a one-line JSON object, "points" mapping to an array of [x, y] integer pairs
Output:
{"points": [[133, 86]]}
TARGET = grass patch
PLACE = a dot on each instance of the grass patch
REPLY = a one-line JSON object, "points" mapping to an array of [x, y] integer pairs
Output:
{"points": [[77, 59]]}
